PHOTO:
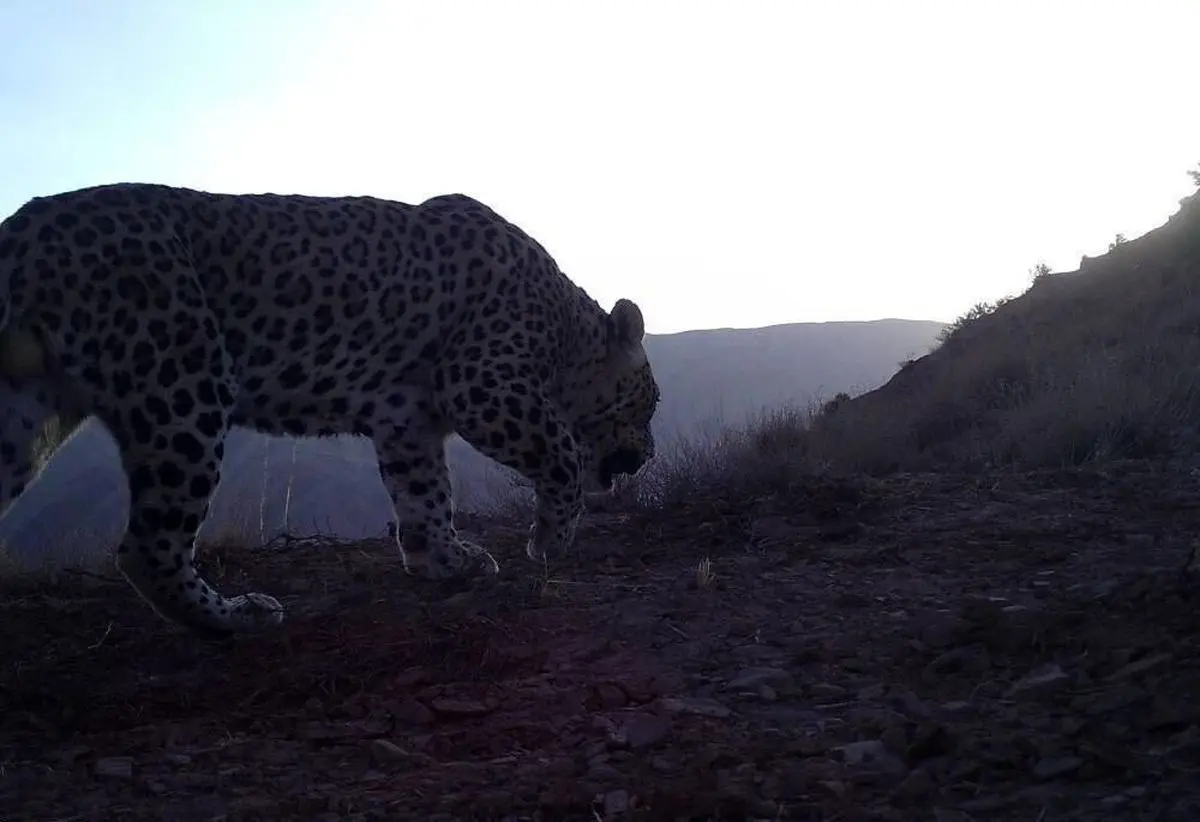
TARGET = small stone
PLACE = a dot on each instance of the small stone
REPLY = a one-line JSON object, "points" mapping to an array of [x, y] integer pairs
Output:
{"points": [[871, 752], [114, 767], [1052, 766], [1142, 666], [1108, 701], [416, 675], [909, 702], [973, 658], [939, 629], [635, 729], [179, 760], [616, 802], [834, 786], [694, 705], [643, 730], [827, 690], [607, 696], [751, 679], [983, 609], [664, 765], [871, 692], [70, 755], [956, 707], [412, 712], [917, 785], [1046, 680], [895, 740], [460, 707], [385, 751]]}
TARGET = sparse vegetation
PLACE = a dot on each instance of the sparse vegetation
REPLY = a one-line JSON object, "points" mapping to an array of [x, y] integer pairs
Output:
{"points": [[970, 317]]}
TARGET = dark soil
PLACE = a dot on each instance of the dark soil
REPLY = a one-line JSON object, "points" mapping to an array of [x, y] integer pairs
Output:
{"points": [[1011, 647]]}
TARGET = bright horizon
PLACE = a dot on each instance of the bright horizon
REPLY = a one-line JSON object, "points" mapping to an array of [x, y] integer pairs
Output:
{"points": [[723, 164]]}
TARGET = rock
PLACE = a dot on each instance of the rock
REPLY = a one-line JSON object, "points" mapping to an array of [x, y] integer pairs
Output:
{"points": [[1052, 766], [1094, 591], [1141, 666], [753, 679], [910, 703], [973, 658], [949, 815], [113, 767], [870, 692], [826, 690], [694, 705], [179, 760], [616, 802], [635, 729], [607, 695], [982, 609], [916, 786], [871, 752], [384, 751], [895, 740], [957, 707], [930, 740], [412, 712], [939, 629], [643, 730], [1015, 629], [1108, 701], [460, 707], [834, 786], [1168, 713], [410, 677], [69, 756], [1044, 681]]}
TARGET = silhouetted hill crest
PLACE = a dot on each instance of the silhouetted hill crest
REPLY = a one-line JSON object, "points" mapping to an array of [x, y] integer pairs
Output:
{"points": [[1101, 361]]}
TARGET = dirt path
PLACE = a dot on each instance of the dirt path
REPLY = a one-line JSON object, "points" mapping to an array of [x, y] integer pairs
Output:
{"points": [[934, 647]]}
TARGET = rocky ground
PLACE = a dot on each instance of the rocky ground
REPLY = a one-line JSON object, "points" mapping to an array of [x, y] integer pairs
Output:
{"points": [[948, 648]]}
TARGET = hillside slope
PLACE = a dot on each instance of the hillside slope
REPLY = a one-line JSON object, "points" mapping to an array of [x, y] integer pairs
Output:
{"points": [[1093, 363]]}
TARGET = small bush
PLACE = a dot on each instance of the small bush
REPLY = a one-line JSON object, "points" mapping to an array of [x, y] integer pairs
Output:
{"points": [[1038, 273]]}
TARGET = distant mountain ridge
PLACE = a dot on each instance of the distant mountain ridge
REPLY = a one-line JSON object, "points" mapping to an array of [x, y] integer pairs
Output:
{"points": [[77, 509], [725, 375]]}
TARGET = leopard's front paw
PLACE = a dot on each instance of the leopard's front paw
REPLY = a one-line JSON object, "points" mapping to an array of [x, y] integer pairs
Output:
{"points": [[552, 535], [448, 560]]}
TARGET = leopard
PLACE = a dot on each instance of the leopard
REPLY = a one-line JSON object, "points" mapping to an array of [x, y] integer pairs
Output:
{"points": [[172, 315]]}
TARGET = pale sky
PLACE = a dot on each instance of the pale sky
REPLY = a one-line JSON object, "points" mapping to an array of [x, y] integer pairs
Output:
{"points": [[738, 163]]}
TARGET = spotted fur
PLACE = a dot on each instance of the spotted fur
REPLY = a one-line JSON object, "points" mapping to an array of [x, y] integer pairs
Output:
{"points": [[172, 315]]}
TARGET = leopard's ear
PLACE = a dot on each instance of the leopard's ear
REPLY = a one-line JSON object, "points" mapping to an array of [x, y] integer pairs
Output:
{"points": [[625, 332], [626, 327]]}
